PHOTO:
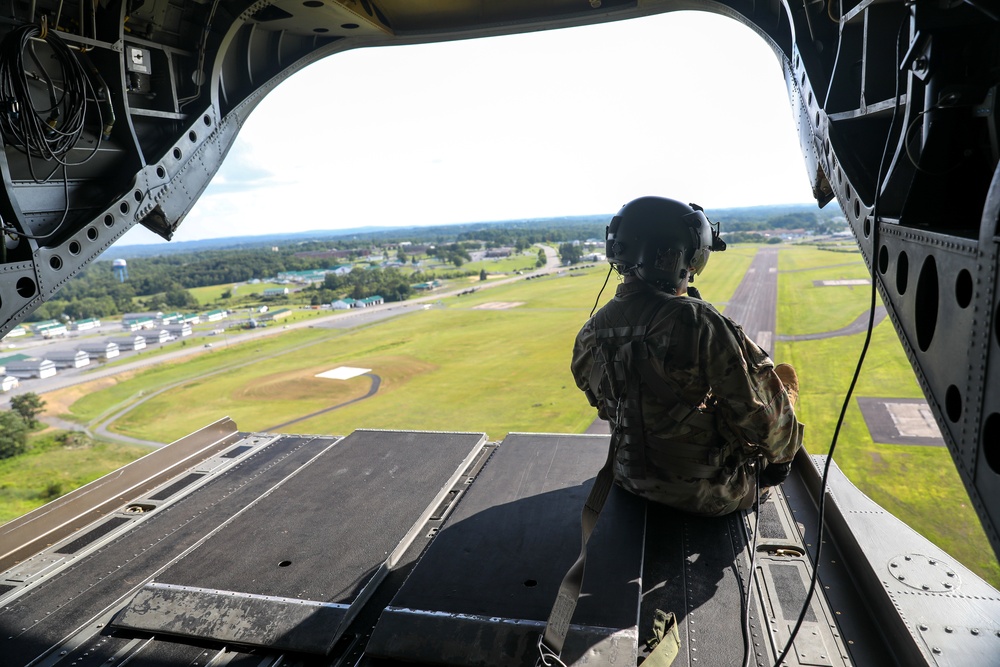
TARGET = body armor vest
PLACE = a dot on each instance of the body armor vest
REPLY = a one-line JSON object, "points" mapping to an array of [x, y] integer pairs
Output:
{"points": [[621, 368]]}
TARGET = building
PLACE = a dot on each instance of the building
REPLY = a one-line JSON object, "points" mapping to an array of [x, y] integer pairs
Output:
{"points": [[87, 324], [68, 358], [271, 292], [215, 315], [129, 342], [136, 322], [180, 329], [9, 382], [154, 337], [51, 329], [32, 368], [341, 269], [4, 361], [190, 318], [305, 277], [39, 326], [170, 318], [16, 331], [343, 304], [101, 351], [375, 300], [279, 314]]}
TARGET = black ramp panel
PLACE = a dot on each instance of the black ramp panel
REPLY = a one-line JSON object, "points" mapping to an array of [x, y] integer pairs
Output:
{"points": [[482, 592], [291, 570], [68, 598]]}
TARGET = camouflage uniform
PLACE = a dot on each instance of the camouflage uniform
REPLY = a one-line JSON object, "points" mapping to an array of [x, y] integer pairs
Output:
{"points": [[699, 398]]}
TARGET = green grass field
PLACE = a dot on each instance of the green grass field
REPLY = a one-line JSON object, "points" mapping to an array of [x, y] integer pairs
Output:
{"points": [[213, 293], [462, 367], [50, 469]]}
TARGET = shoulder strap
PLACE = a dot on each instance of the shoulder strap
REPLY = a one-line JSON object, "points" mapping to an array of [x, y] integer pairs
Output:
{"points": [[552, 640]]}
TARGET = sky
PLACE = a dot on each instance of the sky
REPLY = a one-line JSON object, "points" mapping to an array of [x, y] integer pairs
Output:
{"points": [[577, 121]]}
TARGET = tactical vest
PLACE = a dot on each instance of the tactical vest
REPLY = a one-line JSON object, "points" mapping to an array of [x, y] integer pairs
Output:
{"points": [[695, 448]]}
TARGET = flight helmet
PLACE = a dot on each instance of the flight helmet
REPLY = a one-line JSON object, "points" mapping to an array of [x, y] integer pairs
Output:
{"points": [[661, 240]]}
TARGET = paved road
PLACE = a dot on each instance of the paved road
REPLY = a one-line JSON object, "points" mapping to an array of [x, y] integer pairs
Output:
{"points": [[754, 304], [860, 325], [372, 390]]}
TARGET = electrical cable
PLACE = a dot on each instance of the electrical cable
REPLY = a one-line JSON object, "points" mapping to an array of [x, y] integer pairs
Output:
{"points": [[821, 520], [915, 161], [47, 133], [200, 68]]}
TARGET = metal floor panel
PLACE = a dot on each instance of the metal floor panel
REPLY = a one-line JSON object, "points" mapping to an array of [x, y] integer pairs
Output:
{"points": [[295, 566], [60, 607], [482, 592]]}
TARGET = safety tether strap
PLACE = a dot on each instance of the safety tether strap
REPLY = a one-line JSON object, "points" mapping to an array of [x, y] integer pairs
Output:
{"points": [[550, 644], [556, 628]]}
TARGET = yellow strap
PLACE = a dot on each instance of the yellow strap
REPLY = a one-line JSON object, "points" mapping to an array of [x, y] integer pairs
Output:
{"points": [[668, 642]]}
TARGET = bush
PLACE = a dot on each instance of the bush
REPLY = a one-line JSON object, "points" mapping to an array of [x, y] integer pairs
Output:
{"points": [[13, 434]]}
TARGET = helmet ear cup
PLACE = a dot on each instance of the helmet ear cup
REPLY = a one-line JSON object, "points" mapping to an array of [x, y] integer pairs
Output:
{"points": [[670, 262], [613, 248]]}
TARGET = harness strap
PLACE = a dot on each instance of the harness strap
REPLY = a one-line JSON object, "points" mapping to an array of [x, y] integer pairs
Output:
{"points": [[557, 626]]}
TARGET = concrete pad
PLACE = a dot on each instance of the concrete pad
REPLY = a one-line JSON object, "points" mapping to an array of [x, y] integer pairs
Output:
{"points": [[498, 305], [841, 283], [901, 421], [343, 373]]}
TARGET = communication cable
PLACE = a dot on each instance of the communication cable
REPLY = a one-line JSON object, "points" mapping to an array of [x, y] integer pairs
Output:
{"points": [[598, 299]]}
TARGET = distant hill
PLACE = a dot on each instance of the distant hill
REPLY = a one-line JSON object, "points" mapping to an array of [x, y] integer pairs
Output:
{"points": [[756, 216]]}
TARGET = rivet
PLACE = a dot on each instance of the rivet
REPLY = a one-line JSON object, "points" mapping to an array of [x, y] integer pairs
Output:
{"points": [[949, 629], [936, 650], [923, 627], [975, 631]]}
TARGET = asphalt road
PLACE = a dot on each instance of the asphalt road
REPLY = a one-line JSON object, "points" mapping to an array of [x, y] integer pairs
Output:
{"points": [[754, 304]]}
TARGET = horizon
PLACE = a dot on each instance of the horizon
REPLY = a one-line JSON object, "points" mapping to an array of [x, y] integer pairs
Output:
{"points": [[525, 126], [376, 229]]}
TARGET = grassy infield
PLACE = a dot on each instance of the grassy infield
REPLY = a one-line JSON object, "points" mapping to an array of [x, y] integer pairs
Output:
{"points": [[459, 368]]}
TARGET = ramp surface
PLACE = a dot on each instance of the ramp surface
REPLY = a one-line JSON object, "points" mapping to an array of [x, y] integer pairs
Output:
{"points": [[289, 571], [482, 592]]}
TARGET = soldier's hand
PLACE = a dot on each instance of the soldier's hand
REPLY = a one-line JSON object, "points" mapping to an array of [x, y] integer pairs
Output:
{"points": [[775, 473]]}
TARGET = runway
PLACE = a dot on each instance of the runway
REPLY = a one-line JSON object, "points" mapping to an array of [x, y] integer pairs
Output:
{"points": [[754, 304]]}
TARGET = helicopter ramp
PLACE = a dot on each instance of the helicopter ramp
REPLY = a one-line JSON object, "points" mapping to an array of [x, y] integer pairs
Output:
{"points": [[392, 547]]}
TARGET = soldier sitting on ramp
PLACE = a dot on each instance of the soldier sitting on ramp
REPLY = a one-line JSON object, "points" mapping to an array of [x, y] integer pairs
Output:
{"points": [[692, 402]]}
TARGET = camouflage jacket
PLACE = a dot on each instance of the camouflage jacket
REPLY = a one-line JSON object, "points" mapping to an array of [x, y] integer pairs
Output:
{"points": [[708, 399]]}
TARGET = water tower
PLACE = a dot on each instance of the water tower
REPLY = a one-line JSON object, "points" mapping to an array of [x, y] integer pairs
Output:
{"points": [[120, 269]]}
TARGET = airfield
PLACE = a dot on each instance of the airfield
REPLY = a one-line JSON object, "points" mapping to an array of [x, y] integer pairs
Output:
{"points": [[497, 361]]}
